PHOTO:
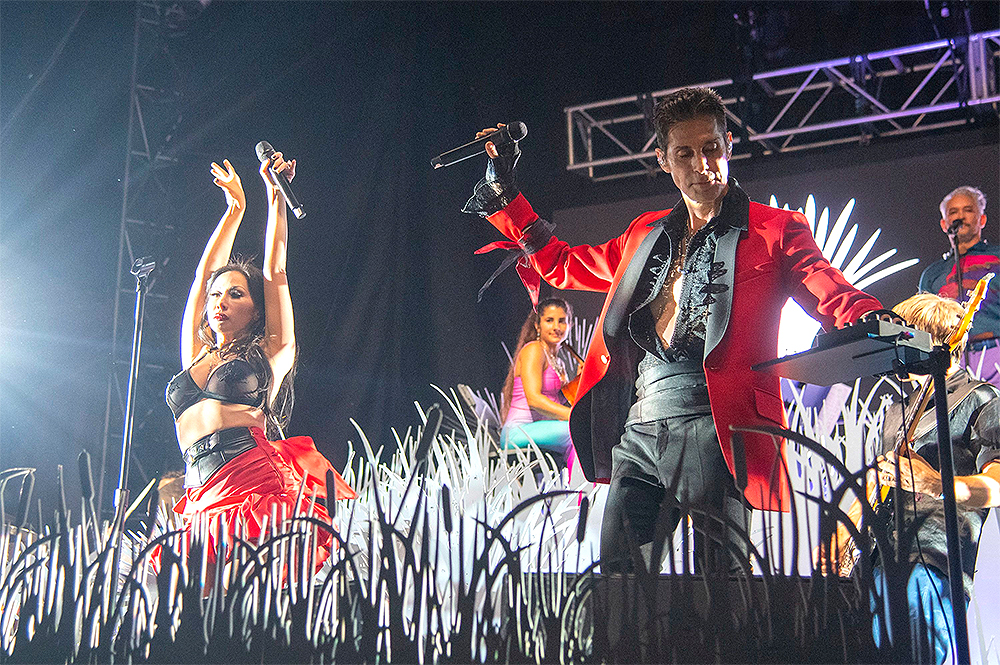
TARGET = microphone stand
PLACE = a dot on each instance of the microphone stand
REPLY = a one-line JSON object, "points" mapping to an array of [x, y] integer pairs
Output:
{"points": [[938, 365], [952, 233], [141, 269]]}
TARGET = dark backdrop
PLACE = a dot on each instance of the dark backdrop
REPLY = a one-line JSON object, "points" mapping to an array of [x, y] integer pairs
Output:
{"points": [[362, 94], [897, 188]]}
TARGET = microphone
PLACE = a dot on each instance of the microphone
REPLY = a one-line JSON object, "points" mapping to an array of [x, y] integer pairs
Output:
{"points": [[954, 227], [264, 151], [514, 131]]}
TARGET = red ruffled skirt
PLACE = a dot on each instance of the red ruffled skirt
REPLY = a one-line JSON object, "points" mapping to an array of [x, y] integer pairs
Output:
{"points": [[248, 491]]}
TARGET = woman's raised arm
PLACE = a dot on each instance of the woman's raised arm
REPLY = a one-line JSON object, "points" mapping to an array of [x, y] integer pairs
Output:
{"points": [[279, 343], [216, 255]]}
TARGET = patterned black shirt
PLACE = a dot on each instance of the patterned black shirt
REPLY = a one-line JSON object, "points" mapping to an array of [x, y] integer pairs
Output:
{"points": [[703, 277]]}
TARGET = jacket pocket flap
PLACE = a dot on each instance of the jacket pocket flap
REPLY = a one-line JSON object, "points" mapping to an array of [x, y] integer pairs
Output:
{"points": [[769, 405]]}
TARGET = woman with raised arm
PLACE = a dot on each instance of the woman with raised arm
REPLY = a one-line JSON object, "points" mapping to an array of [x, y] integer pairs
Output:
{"points": [[534, 409], [235, 394]]}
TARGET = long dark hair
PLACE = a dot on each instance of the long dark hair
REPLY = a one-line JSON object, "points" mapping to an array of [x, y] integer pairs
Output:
{"points": [[247, 346], [528, 334]]}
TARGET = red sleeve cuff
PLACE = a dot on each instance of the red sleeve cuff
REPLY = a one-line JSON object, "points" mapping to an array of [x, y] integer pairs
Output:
{"points": [[513, 219]]}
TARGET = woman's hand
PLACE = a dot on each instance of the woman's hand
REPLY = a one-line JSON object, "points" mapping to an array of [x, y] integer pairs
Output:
{"points": [[915, 474], [216, 255], [227, 180], [278, 164]]}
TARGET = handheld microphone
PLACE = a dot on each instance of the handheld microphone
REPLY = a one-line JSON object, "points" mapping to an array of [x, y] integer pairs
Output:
{"points": [[264, 151], [514, 131], [954, 227]]}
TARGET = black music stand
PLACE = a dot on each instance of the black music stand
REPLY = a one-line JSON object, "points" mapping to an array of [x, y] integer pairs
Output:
{"points": [[868, 358]]}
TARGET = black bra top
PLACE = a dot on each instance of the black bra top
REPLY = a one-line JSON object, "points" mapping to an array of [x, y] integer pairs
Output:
{"points": [[233, 381]]}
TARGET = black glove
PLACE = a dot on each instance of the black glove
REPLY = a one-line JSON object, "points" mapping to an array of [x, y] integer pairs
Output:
{"points": [[498, 188], [884, 314]]}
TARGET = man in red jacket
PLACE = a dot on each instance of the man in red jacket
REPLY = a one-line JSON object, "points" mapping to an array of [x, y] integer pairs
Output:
{"points": [[694, 300]]}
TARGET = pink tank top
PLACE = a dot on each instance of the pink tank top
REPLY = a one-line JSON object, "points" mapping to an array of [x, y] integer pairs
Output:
{"points": [[520, 412]]}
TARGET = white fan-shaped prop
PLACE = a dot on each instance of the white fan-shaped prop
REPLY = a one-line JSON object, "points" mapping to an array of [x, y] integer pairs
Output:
{"points": [[797, 328]]}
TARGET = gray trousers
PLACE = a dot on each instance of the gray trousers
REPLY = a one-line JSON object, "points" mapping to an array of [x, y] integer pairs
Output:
{"points": [[668, 459]]}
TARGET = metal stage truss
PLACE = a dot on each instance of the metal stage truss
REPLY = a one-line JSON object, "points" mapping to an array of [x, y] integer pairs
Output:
{"points": [[906, 90], [156, 113]]}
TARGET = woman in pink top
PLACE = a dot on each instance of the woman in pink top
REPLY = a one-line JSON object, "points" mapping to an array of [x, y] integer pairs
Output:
{"points": [[534, 409]]}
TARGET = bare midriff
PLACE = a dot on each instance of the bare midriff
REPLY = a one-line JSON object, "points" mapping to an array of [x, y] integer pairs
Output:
{"points": [[210, 415]]}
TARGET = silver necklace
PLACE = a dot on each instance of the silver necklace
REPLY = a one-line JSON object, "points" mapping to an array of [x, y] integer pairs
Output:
{"points": [[555, 363]]}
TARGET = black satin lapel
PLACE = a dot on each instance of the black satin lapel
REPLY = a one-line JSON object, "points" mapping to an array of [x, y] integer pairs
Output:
{"points": [[718, 318], [618, 307]]}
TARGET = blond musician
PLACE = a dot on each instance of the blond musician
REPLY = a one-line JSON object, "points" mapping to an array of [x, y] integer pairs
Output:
{"points": [[974, 417]]}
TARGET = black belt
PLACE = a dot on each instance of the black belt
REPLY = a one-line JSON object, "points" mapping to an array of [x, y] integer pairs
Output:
{"points": [[669, 389], [207, 455]]}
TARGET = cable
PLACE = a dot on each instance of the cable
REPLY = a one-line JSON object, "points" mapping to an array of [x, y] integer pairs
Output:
{"points": [[48, 67], [930, 17]]}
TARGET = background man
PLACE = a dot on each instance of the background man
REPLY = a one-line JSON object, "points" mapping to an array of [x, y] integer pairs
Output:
{"points": [[694, 300], [963, 214]]}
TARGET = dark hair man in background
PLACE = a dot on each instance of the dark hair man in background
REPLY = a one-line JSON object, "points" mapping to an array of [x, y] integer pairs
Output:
{"points": [[694, 300], [963, 216]]}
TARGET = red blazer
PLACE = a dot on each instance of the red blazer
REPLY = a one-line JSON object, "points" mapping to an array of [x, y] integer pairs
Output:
{"points": [[773, 258]]}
